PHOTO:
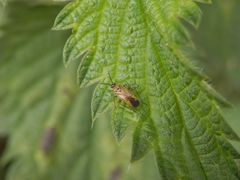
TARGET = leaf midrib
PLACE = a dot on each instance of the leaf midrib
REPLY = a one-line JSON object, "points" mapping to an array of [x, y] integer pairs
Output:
{"points": [[157, 147]]}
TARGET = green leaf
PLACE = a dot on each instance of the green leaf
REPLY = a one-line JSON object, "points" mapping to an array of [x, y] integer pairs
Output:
{"points": [[232, 115], [46, 118], [121, 120], [138, 42]]}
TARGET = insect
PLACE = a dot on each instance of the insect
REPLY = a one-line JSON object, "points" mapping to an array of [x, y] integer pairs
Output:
{"points": [[124, 94]]}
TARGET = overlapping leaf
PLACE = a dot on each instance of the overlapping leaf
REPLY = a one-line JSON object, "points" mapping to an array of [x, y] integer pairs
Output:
{"points": [[42, 112], [138, 43]]}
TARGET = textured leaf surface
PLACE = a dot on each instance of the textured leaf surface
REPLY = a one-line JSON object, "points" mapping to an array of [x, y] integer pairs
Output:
{"points": [[44, 115], [138, 43]]}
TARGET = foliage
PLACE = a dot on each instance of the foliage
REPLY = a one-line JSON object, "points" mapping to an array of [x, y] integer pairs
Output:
{"points": [[39, 95], [139, 44]]}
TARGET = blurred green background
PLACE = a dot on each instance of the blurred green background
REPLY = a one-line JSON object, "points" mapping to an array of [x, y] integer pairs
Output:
{"points": [[45, 119]]}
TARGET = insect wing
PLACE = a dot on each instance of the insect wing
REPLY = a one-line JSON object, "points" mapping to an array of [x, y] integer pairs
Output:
{"points": [[133, 101]]}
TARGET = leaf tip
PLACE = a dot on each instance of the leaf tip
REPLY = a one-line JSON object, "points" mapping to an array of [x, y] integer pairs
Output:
{"points": [[57, 25], [214, 94]]}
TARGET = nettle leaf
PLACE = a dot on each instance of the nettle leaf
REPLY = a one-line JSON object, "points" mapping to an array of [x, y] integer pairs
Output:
{"points": [[44, 116], [138, 42]]}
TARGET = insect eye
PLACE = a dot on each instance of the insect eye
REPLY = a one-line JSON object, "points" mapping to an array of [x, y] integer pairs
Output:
{"points": [[113, 85]]}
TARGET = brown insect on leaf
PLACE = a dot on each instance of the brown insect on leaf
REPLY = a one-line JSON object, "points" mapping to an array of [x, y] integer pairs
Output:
{"points": [[124, 94]]}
